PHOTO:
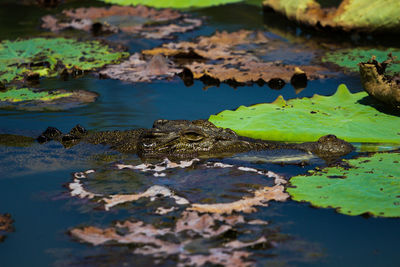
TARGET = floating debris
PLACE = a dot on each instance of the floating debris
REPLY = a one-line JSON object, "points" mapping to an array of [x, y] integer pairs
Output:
{"points": [[190, 224], [139, 70], [260, 196], [223, 57], [139, 20], [382, 87]]}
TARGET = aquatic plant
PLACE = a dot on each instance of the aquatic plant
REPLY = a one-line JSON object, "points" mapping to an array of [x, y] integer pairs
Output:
{"points": [[364, 15], [307, 119], [367, 185], [173, 3], [349, 58], [140, 20], [30, 99], [233, 58], [48, 57]]}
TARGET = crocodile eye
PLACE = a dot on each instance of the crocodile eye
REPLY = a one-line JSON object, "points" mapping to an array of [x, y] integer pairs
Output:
{"points": [[193, 136]]}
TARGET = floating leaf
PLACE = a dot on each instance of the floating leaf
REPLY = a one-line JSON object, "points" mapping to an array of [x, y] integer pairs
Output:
{"points": [[349, 58], [140, 20], [139, 70], [307, 119], [173, 3], [260, 198], [363, 15], [46, 57], [370, 185], [153, 241], [29, 99], [231, 58]]}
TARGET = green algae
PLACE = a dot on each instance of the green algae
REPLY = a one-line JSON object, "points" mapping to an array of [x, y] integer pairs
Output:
{"points": [[173, 3], [307, 119], [48, 56], [371, 185], [349, 58]]}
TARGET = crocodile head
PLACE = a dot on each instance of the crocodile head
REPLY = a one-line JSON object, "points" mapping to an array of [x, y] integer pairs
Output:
{"points": [[187, 139]]}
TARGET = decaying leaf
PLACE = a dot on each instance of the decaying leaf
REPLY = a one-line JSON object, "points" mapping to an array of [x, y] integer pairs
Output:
{"points": [[341, 114], [138, 70], [173, 3], [29, 99], [230, 57], [5, 225], [360, 15], [378, 85], [50, 57], [260, 198], [191, 224], [368, 185], [141, 20], [77, 188], [152, 192], [110, 201]]}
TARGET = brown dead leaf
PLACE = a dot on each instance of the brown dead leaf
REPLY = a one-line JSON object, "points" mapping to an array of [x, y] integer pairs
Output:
{"points": [[246, 204], [145, 21], [205, 224], [222, 58], [380, 86], [138, 70], [153, 242], [5, 225], [152, 192], [219, 257]]}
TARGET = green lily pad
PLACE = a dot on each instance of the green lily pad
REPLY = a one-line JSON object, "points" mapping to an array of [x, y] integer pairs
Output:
{"points": [[28, 99], [307, 119], [173, 3], [371, 185], [47, 56], [349, 58]]}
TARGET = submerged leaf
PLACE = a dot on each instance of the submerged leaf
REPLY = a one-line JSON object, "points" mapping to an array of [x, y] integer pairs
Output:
{"points": [[369, 185], [48, 57], [29, 99], [140, 20], [349, 58], [191, 224], [172, 3], [138, 70], [362, 15], [5, 225], [307, 119], [260, 198]]}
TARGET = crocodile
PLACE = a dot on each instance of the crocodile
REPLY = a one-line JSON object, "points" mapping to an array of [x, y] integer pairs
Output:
{"points": [[183, 139]]}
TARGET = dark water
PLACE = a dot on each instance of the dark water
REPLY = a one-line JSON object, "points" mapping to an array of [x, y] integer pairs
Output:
{"points": [[32, 178]]}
